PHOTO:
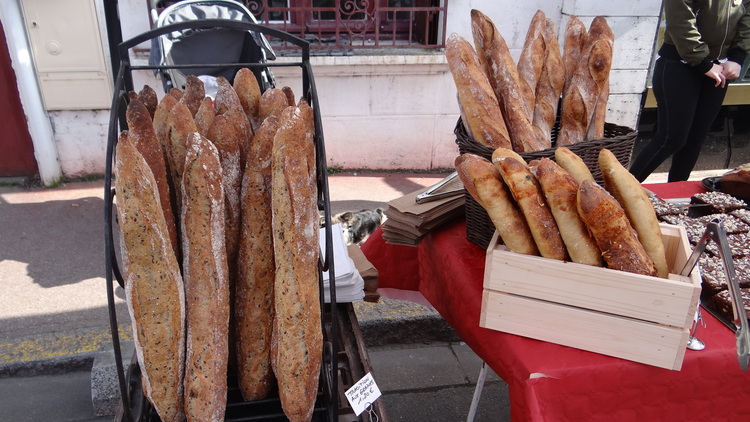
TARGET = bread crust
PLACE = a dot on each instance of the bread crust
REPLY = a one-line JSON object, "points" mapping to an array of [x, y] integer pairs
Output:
{"points": [[480, 110], [531, 60], [297, 334], [157, 310], [272, 102], [561, 192], [148, 97], [194, 93], [248, 91], [527, 193], [573, 164], [228, 103], [141, 133], [206, 282], [254, 309], [611, 229], [180, 124], [630, 194], [484, 183], [502, 74], [205, 116], [575, 38], [548, 88], [587, 84]]}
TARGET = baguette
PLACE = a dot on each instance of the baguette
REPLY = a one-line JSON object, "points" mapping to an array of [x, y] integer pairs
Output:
{"points": [[479, 106], [248, 91], [289, 93], [501, 153], [180, 123], [141, 133], [548, 88], [272, 102], [205, 116], [611, 229], [484, 183], [527, 193], [297, 341], [531, 60], [630, 194], [254, 311], [561, 192], [575, 38], [148, 97], [161, 126], [228, 103], [573, 164], [206, 282], [194, 93], [157, 310], [587, 84], [515, 102]]}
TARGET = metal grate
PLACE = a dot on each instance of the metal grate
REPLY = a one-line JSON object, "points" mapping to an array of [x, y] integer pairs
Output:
{"points": [[355, 24]]}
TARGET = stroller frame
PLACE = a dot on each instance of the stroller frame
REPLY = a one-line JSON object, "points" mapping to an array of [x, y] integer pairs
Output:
{"points": [[134, 405]]}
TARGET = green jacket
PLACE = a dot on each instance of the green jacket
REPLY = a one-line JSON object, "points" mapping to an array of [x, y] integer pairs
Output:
{"points": [[705, 31]]}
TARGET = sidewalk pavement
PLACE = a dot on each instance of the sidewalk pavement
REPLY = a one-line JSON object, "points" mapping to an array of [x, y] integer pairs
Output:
{"points": [[54, 320]]}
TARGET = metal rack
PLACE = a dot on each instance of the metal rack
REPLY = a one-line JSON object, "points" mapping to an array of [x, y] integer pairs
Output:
{"points": [[337, 369]]}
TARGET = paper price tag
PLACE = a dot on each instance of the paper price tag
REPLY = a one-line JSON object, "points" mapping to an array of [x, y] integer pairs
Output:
{"points": [[363, 394]]}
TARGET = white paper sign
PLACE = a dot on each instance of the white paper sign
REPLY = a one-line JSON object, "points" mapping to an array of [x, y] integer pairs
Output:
{"points": [[363, 394]]}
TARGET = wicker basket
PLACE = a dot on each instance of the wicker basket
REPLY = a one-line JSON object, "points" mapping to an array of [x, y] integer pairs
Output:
{"points": [[618, 139]]}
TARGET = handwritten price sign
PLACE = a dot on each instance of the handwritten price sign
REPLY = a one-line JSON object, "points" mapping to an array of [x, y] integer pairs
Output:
{"points": [[363, 394]]}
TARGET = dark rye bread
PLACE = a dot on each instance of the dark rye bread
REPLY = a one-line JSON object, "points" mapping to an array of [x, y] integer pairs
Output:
{"points": [[206, 282], [157, 309], [254, 310], [297, 335]]}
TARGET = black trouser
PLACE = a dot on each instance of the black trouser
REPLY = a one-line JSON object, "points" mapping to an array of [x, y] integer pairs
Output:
{"points": [[687, 104]]}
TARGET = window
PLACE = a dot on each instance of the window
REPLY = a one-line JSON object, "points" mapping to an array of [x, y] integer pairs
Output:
{"points": [[356, 24]]}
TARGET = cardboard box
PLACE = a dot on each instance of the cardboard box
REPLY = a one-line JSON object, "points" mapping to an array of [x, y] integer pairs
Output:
{"points": [[630, 316]]}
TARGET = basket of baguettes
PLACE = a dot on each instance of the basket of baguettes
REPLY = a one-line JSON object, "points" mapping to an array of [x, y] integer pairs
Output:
{"points": [[219, 241], [549, 98]]}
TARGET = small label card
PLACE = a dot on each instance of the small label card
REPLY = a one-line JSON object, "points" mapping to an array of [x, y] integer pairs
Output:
{"points": [[363, 394]]}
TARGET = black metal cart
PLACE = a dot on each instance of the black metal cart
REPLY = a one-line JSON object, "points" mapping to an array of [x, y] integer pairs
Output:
{"points": [[345, 358]]}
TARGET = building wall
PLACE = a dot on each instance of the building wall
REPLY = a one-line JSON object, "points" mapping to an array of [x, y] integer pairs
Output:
{"points": [[399, 111]]}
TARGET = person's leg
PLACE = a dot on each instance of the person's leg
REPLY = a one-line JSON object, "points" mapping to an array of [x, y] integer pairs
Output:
{"points": [[676, 89], [709, 105]]}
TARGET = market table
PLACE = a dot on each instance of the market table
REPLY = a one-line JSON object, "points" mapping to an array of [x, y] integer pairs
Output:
{"points": [[550, 382]]}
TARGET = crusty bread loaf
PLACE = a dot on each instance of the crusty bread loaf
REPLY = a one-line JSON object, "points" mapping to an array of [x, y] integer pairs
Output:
{"points": [[223, 134], [628, 191], [228, 103], [206, 282], [289, 93], [205, 116], [141, 133], [479, 106], [531, 60], [148, 97], [161, 126], [248, 91], [484, 183], [194, 93], [180, 124], [561, 192], [527, 193], [573, 164], [611, 229], [272, 102], [575, 37], [500, 153], [596, 127], [157, 310], [502, 73], [548, 88], [297, 334], [176, 93], [254, 309], [586, 86]]}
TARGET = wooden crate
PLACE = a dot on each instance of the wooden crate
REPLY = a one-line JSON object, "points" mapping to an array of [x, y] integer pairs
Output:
{"points": [[630, 316]]}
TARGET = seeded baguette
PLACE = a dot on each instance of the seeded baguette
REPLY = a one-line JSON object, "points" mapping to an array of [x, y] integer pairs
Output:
{"points": [[248, 91], [206, 282], [157, 309], [254, 305], [297, 335]]}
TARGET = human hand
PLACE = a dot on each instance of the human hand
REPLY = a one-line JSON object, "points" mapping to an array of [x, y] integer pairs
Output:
{"points": [[716, 73], [731, 70]]}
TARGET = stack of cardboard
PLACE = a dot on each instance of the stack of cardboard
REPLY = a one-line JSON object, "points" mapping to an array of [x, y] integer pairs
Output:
{"points": [[408, 221]]}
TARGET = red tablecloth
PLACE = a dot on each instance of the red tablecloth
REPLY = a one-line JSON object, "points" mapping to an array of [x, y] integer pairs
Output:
{"points": [[549, 382]]}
